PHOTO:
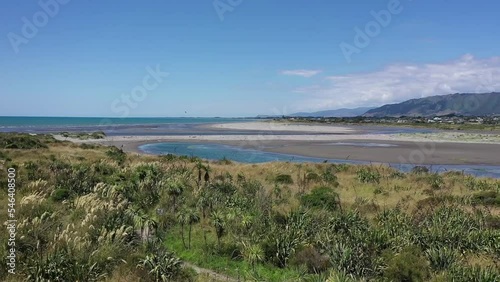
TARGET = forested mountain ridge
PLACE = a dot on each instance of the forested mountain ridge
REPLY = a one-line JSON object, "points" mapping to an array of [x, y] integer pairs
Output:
{"points": [[460, 104]]}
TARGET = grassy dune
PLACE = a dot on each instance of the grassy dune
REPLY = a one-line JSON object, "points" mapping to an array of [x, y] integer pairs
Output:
{"points": [[94, 213]]}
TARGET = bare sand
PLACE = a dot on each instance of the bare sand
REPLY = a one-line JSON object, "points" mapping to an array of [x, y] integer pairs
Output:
{"points": [[428, 137], [280, 127], [334, 142], [399, 152]]}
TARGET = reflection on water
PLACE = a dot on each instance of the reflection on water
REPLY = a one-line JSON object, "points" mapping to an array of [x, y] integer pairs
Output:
{"points": [[218, 151]]}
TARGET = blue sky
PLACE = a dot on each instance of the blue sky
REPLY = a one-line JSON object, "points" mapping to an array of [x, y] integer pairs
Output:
{"points": [[249, 57]]}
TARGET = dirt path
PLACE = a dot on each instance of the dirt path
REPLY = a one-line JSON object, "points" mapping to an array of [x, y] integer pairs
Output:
{"points": [[214, 276]]}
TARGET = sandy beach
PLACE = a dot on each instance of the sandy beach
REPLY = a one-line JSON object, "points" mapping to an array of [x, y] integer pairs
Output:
{"points": [[271, 131], [335, 142], [265, 126]]}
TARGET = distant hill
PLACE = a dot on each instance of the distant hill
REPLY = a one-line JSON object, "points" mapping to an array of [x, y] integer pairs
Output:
{"points": [[335, 113], [459, 104]]}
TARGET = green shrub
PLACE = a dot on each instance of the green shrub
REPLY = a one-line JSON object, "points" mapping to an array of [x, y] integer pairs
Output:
{"points": [[104, 169], [436, 181], [322, 198], [84, 135], [98, 135], [341, 276], [397, 175], [284, 179], [32, 170], [86, 146], [367, 175], [281, 245], [162, 266], [487, 198], [61, 194], [63, 266], [420, 170], [492, 222], [117, 155], [441, 258], [474, 273], [341, 167], [312, 177], [409, 265], [225, 187], [250, 188], [477, 184], [451, 227], [436, 200], [81, 178], [351, 257], [329, 177], [312, 259], [21, 141]]}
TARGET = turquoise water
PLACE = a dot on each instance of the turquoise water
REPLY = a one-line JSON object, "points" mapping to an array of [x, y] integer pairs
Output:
{"points": [[96, 121], [218, 151], [188, 126]]}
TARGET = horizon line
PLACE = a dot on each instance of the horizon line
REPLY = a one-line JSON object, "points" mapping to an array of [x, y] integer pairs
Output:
{"points": [[111, 117]]}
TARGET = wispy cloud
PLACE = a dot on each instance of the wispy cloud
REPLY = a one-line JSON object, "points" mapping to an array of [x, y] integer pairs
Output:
{"points": [[303, 73], [400, 82]]}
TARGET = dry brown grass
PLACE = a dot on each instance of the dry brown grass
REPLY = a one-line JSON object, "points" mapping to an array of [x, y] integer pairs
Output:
{"points": [[388, 193], [409, 191]]}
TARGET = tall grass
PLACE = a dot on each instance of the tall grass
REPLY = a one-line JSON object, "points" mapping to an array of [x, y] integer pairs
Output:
{"points": [[97, 214]]}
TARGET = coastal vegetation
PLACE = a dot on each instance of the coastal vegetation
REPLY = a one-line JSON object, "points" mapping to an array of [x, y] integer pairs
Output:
{"points": [[95, 213], [450, 122], [84, 135], [23, 141]]}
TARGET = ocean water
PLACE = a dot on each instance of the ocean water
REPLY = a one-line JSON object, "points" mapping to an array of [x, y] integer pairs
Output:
{"points": [[234, 153], [153, 126], [190, 126], [97, 121], [112, 126]]}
